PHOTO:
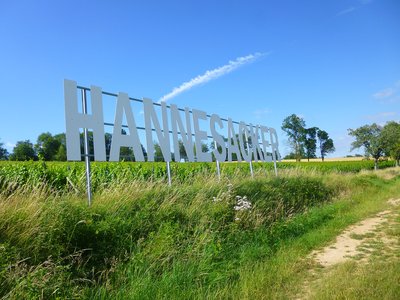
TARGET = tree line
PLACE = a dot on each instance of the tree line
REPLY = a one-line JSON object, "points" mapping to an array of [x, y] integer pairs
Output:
{"points": [[47, 147], [305, 141], [50, 147], [376, 140]]}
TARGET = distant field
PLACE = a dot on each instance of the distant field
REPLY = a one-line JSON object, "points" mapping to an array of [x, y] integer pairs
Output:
{"points": [[328, 159]]}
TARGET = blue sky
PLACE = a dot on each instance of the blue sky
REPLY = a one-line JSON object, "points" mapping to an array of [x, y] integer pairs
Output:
{"points": [[336, 63]]}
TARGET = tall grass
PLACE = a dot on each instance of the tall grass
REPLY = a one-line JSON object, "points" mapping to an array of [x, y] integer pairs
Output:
{"points": [[143, 240], [70, 176], [150, 226]]}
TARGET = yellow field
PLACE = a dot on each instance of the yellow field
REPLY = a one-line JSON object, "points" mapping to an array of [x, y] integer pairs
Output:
{"points": [[327, 159]]}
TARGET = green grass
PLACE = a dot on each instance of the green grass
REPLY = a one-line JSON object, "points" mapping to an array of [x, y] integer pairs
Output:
{"points": [[70, 176], [145, 240], [377, 279], [283, 275], [362, 236]]}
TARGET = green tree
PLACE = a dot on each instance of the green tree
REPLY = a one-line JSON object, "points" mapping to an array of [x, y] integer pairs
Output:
{"points": [[108, 140], [91, 145], [3, 152], [390, 138], [294, 127], [369, 137], [325, 143], [158, 156], [126, 153], [291, 155], [61, 154], [23, 151], [182, 150], [310, 142], [47, 146]]}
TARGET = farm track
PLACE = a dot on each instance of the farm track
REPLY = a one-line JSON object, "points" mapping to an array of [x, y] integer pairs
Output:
{"points": [[359, 242]]}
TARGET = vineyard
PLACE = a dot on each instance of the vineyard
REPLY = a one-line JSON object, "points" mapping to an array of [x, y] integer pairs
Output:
{"points": [[64, 176]]}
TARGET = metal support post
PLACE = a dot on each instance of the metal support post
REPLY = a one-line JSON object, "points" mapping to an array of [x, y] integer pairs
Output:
{"points": [[248, 151], [169, 173], [274, 159], [218, 167], [87, 158]]}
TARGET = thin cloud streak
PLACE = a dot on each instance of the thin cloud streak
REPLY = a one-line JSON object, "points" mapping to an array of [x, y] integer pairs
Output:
{"points": [[389, 95], [212, 74], [346, 11], [353, 8], [384, 93]]}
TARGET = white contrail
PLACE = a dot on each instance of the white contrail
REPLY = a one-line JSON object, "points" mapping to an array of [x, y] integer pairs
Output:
{"points": [[212, 74]]}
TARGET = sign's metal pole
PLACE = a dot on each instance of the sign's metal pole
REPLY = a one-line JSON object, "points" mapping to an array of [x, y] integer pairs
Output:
{"points": [[169, 173], [248, 149], [87, 158], [218, 168], [218, 171], [274, 159]]}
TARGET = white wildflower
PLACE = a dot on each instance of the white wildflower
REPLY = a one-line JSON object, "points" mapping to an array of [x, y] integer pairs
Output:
{"points": [[242, 203]]}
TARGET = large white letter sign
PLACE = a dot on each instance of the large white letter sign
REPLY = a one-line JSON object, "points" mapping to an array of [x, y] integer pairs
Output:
{"points": [[233, 146], [128, 140], [200, 135], [219, 139], [257, 152], [186, 136], [162, 134], [243, 142], [265, 143], [76, 120], [274, 145]]}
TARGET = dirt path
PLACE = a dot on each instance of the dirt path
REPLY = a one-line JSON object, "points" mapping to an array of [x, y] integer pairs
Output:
{"points": [[358, 242], [348, 244]]}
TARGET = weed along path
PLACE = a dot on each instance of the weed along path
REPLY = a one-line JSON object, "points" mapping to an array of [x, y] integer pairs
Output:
{"points": [[374, 239]]}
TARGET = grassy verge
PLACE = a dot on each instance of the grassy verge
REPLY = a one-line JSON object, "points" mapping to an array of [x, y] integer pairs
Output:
{"points": [[201, 240], [283, 275], [377, 278]]}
